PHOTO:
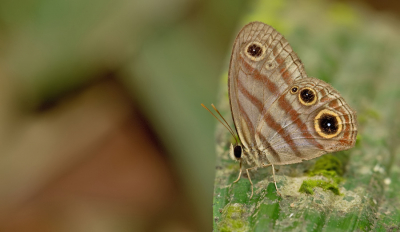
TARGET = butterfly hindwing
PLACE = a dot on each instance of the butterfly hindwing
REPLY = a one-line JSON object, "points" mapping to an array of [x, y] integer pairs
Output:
{"points": [[300, 136]]}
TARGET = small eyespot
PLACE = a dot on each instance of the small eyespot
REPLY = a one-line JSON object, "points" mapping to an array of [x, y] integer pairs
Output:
{"points": [[237, 151], [255, 51], [270, 64], [294, 89], [328, 124], [307, 96]]}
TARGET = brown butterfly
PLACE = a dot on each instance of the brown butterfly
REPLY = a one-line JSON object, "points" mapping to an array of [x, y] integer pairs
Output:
{"points": [[281, 115]]}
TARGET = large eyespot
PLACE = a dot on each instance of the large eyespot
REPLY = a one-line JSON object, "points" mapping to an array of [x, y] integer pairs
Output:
{"points": [[294, 89], [255, 51], [327, 124], [307, 96]]}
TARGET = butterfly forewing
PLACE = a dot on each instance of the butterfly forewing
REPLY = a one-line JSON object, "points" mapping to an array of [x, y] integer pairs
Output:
{"points": [[274, 124]]}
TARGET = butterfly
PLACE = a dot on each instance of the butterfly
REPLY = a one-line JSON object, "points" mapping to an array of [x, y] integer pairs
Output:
{"points": [[281, 115]]}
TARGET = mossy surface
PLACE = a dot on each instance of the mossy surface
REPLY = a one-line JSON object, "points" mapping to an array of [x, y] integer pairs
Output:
{"points": [[328, 166], [233, 218], [308, 185]]}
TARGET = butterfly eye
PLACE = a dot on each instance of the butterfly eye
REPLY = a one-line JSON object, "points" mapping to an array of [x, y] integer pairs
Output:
{"points": [[237, 152], [255, 51], [328, 124], [294, 89], [307, 96]]}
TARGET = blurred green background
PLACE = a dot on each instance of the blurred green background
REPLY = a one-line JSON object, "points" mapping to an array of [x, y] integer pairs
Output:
{"points": [[101, 127]]}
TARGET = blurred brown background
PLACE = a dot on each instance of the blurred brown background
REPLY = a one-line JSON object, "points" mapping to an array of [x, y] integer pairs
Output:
{"points": [[101, 127]]}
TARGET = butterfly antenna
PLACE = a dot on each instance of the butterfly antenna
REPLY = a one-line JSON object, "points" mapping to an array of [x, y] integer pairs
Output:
{"points": [[226, 123], [226, 126], [215, 108]]}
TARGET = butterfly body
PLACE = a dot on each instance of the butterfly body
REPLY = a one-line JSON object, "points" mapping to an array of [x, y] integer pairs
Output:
{"points": [[281, 115]]}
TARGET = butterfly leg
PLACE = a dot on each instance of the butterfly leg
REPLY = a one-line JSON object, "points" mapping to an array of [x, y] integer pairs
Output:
{"points": [[273, 174], [248, 175], [240, 173]]}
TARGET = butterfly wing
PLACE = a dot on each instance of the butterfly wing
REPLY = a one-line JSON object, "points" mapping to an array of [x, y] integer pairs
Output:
{"points": [[258, 77], [263, 65], [271, 121], [302, 130]]}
